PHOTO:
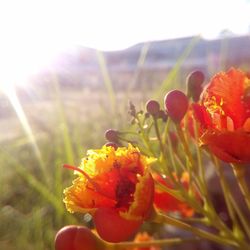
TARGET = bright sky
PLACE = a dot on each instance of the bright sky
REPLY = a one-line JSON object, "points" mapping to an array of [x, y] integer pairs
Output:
{"points": [[31, 32]]}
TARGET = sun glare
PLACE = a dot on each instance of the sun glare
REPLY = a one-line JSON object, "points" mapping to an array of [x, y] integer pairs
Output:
{"points": [[33, 32], [18, 62]]}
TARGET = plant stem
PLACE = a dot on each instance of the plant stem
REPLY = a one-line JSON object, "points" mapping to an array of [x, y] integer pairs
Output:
{"points": [[243, 220], [145, 138], [163, 242], [227, 194], [201, 169], [185, 145], [161, 218], [239, 172], [157, 131]]}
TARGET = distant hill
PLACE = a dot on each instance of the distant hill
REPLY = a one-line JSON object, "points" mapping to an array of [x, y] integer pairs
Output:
{"points": [[81, 68]]}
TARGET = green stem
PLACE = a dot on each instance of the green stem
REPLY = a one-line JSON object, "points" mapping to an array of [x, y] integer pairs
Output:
{"points": [[165, 133], [243, 220], [239, 172], [145, 138], [163, 242], [184, 143], [201, 169], [227, 194], [160, 218], [157, 131]]}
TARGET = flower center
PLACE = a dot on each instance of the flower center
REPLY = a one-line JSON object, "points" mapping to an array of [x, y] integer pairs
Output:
{"points": [[213, 106], [124, 193]]}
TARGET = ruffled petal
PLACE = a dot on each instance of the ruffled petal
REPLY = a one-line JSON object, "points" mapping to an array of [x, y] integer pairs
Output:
{"points": [[79, 198], [142, 205]]}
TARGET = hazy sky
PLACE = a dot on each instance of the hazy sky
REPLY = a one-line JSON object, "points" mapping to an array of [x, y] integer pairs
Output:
{"points": [[115, 24], [33, 31]]}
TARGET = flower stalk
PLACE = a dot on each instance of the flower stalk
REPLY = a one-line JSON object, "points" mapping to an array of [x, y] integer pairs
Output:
{"points": [[239, 172], [164, 242], [161, 218]]}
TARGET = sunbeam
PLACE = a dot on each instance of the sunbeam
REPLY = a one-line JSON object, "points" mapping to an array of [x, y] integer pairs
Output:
{"points": [[11, 94]]}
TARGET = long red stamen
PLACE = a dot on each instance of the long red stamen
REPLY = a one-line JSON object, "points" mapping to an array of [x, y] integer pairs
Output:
{"points": [[95, 185]]}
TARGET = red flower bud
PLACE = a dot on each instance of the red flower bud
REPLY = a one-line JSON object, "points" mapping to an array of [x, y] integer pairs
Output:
{"points": [[176, 104], [77, 238], [194, 84], [153, 107], [111, 135]]}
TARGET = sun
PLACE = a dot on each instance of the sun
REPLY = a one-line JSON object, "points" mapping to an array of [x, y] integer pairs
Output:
{"points": [[30, 40], [19, 62]]}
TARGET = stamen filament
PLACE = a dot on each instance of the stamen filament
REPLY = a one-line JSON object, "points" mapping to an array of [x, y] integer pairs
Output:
{"points": [[95, 185]]}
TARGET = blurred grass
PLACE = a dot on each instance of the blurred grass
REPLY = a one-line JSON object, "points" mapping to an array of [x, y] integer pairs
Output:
{"points": [[107, 80], [31, 207], [172, 78]]}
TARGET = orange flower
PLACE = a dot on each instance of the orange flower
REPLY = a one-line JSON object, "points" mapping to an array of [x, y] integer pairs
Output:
{"points": [[224, 115], [111, 186], [167, 202], [144, 237]]}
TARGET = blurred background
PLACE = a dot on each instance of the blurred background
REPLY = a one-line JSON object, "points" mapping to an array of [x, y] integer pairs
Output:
{"points": [[67, 72]]}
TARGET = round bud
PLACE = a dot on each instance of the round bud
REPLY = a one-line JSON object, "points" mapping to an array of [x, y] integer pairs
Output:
{"points": [[111, 144], [194, 84], [176, 104], [76, 238], [111, 135], [196, 77], [153, 107]]}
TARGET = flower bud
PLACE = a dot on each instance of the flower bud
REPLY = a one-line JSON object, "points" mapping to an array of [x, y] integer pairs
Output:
{"points": [[77, 238], [111, 135], [176, 104], [194, 85], [153, 107]]}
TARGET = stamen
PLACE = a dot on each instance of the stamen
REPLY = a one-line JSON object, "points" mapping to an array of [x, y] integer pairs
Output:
{"points": [[96, 186], [217, 120]]}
